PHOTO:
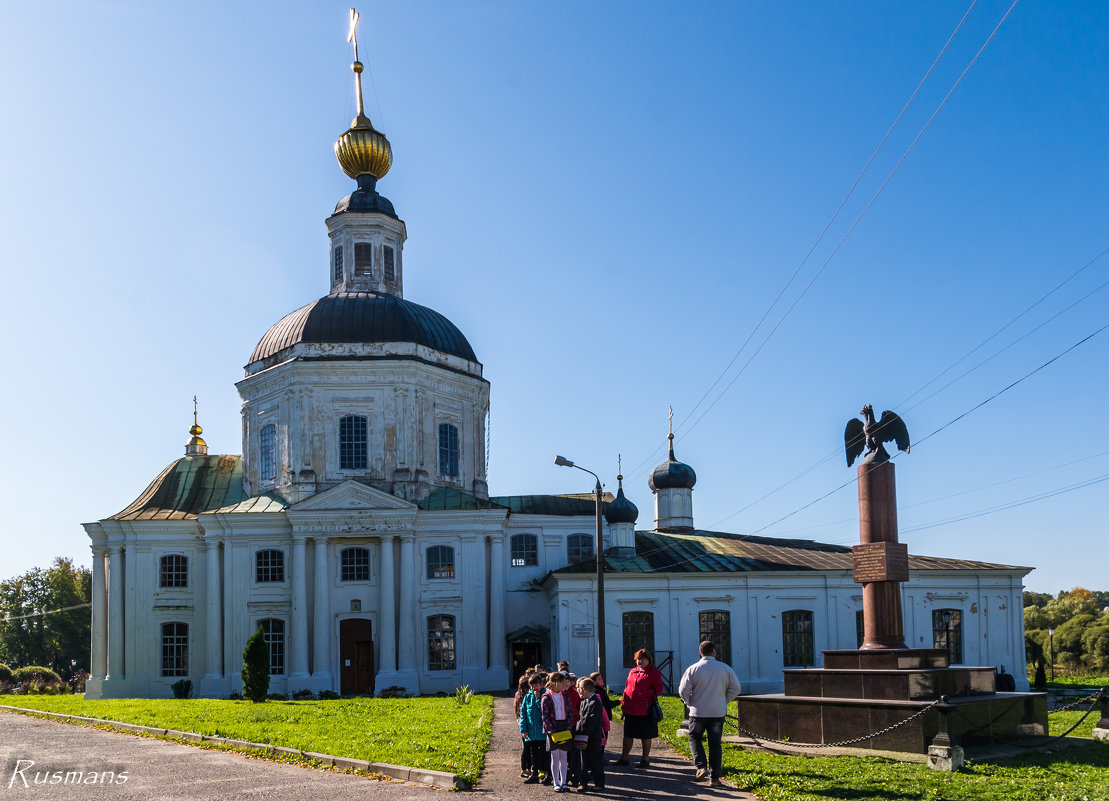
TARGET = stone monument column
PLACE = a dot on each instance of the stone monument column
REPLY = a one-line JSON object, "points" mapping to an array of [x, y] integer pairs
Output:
{"points": [[881, 562]]}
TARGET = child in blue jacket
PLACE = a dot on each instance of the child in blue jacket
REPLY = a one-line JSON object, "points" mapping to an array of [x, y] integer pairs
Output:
{"points": [[531, 732]]}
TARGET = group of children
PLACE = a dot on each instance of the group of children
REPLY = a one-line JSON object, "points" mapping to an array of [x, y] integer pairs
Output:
{"points": [[564, 725]]}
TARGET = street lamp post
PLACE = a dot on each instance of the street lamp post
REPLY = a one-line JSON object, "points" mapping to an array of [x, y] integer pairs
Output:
{"points": [[1051, 645], [599, 555], [945, 616]]}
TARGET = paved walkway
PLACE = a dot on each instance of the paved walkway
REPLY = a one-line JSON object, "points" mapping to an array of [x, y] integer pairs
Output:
{"points": [[671, 774]]}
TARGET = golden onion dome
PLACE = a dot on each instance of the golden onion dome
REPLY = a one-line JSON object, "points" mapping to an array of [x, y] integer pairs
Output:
{"points": [[363, 149]]}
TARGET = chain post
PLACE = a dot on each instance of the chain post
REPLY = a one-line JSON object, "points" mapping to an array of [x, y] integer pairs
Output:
{"points": [[1101, 729]]}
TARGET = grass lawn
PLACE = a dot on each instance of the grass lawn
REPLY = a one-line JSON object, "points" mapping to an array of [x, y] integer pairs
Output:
{"points": [[1071, 774], [431, 733]]}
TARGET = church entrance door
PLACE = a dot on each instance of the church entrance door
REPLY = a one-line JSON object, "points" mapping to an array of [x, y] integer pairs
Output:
{"points": [[356, 657], [524, 655]]}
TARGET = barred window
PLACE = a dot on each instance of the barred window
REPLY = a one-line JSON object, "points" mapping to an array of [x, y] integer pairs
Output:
{"points": [[363, 258], [352, 443], [440, 562], [579, 548], [268, 449], [797, 638], [525, 550], [175, 649], [639, 632], [337, 262], [947, 632], [174, 570], [448, 449], [274, 632], [269, 566], [440, 642], [390, 273], [716, 627], [354, 564]]}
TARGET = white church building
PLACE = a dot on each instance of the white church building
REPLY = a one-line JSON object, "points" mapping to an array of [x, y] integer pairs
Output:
{"points": [[357, 530]]}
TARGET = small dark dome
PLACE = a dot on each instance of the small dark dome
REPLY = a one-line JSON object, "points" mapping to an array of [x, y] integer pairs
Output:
{"points": [[621, 510], [672, 474], [364, 317], [366, 200]]}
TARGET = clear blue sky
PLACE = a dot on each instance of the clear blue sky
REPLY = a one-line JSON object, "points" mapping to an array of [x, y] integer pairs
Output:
{"points": [[605, 197]]}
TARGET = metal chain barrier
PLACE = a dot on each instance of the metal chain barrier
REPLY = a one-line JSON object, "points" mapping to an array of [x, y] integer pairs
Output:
{"points": [[1091, 697], [734, 719]]}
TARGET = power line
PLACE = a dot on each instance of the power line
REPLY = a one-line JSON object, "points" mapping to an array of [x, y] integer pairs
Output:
{"points": [[45, 612]]}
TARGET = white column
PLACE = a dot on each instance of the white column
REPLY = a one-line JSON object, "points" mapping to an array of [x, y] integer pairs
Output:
{"points": [[115, 612], [321, 654], [99, 664], [298, 641], [213, 639], [387, 608], [496, 605], [408, 667]]}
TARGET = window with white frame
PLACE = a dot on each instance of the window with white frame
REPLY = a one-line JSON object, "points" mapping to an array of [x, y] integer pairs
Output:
{"points": [[440, 562], [525, 550], [274, 632], [639, 632], [797, 638], [440, 642], [269, 566], [716, 627], [448, 449], [174, 570], [267, 441], [175, 649], [363, 258], [579, 548], [353, 437], [354, 564]]}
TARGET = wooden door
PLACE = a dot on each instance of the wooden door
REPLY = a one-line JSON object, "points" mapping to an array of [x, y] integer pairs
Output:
{"points": [[356, 657]]}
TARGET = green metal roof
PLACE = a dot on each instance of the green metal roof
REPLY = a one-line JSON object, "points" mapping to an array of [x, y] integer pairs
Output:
{"points": [[448, 499], [720, 552], [187, 487], [562, 505]]}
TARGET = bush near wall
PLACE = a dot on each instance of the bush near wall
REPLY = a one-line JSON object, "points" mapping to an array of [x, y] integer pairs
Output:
{"points": [[35, 673], [5, 673]]}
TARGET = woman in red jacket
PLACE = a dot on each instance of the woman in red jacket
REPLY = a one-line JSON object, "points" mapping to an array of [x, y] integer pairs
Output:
{"points": [[643, 687]]}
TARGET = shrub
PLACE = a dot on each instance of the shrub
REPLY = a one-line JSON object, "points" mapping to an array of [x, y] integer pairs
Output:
{"points": [[395, 691], [31, 673], [277, 696], [5, 673], [256, 667], [463, 695], [182, 688], [77, 682], [328, 695], [304, 695]]}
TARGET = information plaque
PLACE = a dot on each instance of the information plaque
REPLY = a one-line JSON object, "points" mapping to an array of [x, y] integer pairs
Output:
{"points": [[881, 561]]}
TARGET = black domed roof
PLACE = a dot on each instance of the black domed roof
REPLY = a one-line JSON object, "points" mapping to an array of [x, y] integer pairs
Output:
{"points": [[364, 317], [621, 510], [672, 474]]}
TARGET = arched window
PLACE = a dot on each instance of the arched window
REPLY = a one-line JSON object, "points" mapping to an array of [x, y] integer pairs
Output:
{"points": [[175, 649], [354, 564], [269, 565], [267, 441], [448, 449], [174, 570], [352, 442], [440, 562], [797, 638], [639, 632], [947, 633], [525, 550], [716, 627], [440, 642], [579, 548], [274, 632]]}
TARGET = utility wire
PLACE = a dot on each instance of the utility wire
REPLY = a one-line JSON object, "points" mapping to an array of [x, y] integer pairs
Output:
{"points": [[45, 612]]}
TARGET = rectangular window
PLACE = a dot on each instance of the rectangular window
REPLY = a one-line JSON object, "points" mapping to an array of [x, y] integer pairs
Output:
{"points": [[797, 638], [268, 448], [175, 649], [274, 632], [579, 548], [174, 570], [352, 443], [947, 632], [440, 642], [440, 562], [525, 550], [269, 566], [390, 273], [337, 263], [355, 564], [716, 627], [448, 449], [639, 632], [363, 258]]}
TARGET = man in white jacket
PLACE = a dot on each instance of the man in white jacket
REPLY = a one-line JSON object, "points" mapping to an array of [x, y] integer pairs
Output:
{"points": [[706, 688]]}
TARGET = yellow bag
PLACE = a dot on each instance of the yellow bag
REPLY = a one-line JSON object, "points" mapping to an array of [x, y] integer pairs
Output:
{"points": [[561, 736]]}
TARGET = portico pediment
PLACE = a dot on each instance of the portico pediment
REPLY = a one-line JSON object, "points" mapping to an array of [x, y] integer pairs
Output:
{"points": [[352, 508], [351, 495]]}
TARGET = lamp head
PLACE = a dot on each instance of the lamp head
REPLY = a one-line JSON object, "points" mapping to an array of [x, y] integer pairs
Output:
{"points": [[1051, 632], [946, 617], [562, 461]]}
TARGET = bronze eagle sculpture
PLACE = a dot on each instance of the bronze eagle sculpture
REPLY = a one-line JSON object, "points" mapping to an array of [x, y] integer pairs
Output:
{"points": [[871, 434]]}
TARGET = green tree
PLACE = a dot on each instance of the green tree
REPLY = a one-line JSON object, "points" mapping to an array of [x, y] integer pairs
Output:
{"points": [[1039, 599], [256, 667], [1095, 648], [33, 632]]}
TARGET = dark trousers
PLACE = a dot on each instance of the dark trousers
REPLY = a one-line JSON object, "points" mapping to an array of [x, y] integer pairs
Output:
{"points": [[698, 728], [593, 763], [536, 753]]}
